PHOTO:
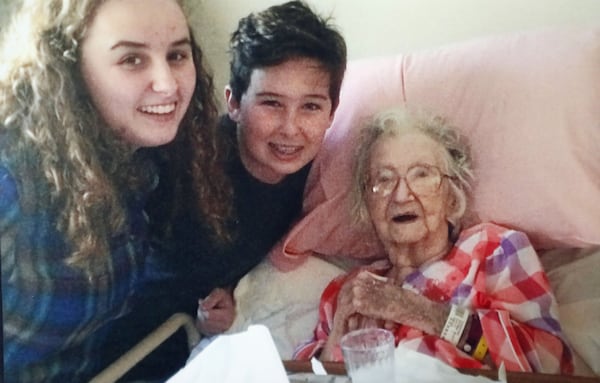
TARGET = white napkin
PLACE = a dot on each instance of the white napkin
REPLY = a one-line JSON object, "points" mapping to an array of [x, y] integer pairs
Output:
{"points": [[415, 367], [249, 357]]}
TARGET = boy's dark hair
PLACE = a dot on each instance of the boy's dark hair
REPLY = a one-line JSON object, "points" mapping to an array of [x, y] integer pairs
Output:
{"points": [[283, 32]]}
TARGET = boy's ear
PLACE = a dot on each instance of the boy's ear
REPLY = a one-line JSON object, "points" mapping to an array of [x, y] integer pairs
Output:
{"points": [[233, 106]]}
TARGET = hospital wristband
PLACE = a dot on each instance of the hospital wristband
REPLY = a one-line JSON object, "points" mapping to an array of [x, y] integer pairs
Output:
{"points": [[455, 324]]}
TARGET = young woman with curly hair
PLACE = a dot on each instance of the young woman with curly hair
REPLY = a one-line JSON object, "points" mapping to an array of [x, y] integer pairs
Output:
{"points": [[90, 91]]}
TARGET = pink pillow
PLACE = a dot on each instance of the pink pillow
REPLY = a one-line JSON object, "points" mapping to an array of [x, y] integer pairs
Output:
{"points": [[529, 104]]}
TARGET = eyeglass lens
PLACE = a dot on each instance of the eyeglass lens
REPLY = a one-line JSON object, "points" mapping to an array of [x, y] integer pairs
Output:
{"points": [[420, 179]]}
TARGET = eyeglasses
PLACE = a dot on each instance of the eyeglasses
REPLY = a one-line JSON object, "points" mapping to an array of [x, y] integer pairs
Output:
{"points": [[422, 180]]}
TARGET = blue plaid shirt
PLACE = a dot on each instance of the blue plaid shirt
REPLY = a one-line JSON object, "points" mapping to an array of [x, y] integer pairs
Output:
{"points": [[55, 316]]}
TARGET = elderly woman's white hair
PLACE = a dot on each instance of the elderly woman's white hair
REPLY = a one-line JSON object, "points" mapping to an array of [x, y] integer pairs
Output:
{"points": [[389, 123]]}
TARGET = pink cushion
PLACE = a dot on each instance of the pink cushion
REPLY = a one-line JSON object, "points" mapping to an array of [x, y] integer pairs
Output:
{"points": [[529, 104]]}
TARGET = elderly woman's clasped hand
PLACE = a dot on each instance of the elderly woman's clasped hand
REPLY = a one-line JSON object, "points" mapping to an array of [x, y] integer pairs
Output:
{"points": [[360, 298], [370, 300], [374, 297]]}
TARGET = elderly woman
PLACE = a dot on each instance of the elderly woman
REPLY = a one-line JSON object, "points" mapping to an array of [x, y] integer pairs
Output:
{"points": [[472, 298]]}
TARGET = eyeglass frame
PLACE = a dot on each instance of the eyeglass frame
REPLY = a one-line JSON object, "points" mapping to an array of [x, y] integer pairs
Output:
{"points": [[398, 178]]}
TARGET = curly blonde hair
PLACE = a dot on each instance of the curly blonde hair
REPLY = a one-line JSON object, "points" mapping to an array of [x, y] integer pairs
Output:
{"points": [[45, 108]]}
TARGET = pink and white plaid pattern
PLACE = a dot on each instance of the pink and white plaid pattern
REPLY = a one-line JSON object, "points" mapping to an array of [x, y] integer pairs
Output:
{"points": [[496, 273]]}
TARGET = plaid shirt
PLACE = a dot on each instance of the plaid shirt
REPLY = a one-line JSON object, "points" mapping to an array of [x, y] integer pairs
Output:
{"points": [[496, 273], [55, 316]]}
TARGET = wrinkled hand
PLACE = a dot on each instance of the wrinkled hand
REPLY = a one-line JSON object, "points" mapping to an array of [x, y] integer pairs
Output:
{"points": [[374, 297], [367, 295], [349, 316], [216, 312]]}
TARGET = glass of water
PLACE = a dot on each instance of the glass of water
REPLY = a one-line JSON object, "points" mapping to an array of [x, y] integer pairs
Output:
{"points": [[369, 355]]}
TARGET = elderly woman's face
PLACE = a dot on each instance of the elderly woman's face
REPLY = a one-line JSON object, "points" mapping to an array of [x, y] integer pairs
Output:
{"points": [[408, 195]]}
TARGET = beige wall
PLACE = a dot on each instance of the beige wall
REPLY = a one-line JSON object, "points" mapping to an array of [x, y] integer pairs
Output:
{"points": [[6, 7], [379, 27]]}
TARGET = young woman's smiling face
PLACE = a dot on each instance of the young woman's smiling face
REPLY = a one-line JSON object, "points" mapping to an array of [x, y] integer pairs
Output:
{"points": [[136, 61]]}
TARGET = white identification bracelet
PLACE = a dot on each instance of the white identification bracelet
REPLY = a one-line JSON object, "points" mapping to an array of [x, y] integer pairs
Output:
{"points": [[455, 324]]}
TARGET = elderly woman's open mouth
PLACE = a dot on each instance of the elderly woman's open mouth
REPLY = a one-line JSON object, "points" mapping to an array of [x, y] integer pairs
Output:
{"points": [[404, 218]]}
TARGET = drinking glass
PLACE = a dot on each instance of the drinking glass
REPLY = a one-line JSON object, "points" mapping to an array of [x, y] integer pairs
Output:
{"points": [[369, 355]]}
